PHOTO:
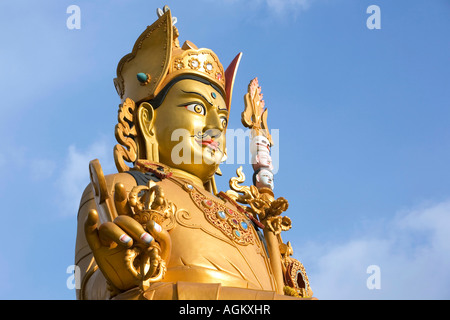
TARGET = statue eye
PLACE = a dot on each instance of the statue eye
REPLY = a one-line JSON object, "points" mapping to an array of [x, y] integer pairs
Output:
{"points": [[224, 122], [197, 108]]}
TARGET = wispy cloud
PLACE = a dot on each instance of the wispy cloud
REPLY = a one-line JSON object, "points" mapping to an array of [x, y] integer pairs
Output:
{"points": [[276, 7], [41, 169], [21, 158], [412, 251], [283, 6], [75, 174]]}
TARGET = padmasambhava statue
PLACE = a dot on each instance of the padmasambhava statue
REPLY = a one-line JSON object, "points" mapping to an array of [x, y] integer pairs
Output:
{"points": [[160, 229]]}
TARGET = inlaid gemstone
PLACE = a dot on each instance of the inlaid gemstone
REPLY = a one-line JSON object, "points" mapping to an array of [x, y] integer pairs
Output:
{"points": [[237, 233], [194, 63], [221, 214], [244, 225], [209, 66], [207, 203], [142, 77], [189, 186]]}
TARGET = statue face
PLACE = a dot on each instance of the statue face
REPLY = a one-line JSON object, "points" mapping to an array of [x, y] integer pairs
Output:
{"points": [[262, 159], [259, 143], [190, 127], [264, 178]]}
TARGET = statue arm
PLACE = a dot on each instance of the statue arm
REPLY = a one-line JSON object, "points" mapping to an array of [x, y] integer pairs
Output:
{"points": [[93, 284]]}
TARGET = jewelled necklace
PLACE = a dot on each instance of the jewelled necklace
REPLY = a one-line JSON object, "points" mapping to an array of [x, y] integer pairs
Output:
{"points": [[234, 224]]}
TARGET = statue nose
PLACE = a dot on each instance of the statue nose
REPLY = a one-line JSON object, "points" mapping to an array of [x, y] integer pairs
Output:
{"points": [[214, 121], [212, 132]]}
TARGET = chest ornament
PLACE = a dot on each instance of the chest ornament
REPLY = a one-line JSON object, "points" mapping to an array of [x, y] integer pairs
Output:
{"points": [[236, 226]]}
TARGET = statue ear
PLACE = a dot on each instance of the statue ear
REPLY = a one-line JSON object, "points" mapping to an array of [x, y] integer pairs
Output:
{"points": [[146, 119]]}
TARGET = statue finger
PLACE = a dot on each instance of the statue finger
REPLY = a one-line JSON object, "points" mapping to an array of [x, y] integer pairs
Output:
{"points": [[90, 229], [121, 200], [110, 233], [134, 229], [162, 237]]}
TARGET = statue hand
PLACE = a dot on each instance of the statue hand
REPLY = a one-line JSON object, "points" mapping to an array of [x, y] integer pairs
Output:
{"points": [[112, 243]]}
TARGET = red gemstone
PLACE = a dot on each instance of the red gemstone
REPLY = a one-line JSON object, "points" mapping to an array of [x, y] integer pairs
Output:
{"points": [[219, 76], [208, 203]]}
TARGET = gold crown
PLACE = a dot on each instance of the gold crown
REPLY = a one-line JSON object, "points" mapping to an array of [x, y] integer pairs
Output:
{"points": [[157, 58]]}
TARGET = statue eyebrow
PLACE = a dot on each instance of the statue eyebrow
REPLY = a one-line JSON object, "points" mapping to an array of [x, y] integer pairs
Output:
{"points": [[199, 94]]}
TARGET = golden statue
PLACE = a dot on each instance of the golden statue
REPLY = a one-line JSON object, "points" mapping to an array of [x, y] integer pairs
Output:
{"points": [[159, 229]]}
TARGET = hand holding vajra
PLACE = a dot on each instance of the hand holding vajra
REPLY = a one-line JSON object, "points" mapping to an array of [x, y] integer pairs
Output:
{"points": [[127, 252]]}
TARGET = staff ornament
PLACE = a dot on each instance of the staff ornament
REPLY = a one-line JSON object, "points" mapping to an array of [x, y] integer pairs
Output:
{"points": [[260, 198]]}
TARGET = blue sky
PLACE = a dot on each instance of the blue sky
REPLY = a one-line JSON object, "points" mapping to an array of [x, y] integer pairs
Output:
{"points": [[363, 119]]}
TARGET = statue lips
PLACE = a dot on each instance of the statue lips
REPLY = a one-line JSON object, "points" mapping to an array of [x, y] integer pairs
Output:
{"points": [[209, 143]]}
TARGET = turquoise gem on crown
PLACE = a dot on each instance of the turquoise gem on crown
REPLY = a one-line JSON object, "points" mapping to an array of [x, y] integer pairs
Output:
{"points": [[142, 77]]}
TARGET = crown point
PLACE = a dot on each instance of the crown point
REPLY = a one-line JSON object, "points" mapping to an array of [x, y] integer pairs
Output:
{"points": [[188, 45]]}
